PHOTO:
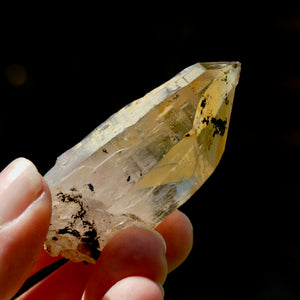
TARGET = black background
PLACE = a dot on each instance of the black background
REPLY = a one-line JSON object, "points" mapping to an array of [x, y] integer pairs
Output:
{"points": [[83, 66]]}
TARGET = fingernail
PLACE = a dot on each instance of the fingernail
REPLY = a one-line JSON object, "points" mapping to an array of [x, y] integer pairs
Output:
{"points": [[20, 185], [162, 240], [162, 289]]}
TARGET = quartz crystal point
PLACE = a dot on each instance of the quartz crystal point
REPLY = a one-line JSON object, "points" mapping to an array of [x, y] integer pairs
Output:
{"points": [[142, 163]]}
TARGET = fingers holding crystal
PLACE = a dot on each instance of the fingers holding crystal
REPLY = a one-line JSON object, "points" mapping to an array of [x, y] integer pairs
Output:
{"points": [[141, 252], [133, 258], [132, 252]]}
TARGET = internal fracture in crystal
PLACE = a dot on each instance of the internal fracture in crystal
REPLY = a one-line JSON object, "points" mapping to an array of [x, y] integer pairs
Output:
{"points": [[142, 163]]}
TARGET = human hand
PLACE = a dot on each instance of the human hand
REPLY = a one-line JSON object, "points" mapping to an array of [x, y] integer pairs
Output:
{"points": [[133, 265]]}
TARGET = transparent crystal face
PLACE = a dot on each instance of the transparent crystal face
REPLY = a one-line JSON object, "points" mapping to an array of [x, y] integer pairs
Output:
{"points": [[143, 162]]}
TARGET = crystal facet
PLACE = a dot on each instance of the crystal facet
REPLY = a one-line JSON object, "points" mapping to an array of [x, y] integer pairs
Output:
{"points": [[142, 163]]}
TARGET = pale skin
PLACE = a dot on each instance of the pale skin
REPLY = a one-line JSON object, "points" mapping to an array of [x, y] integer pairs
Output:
{"points": [[133, 265]]}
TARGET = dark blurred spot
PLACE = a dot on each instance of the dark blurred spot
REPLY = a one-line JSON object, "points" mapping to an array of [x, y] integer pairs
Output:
{"points": [[16, 74]]}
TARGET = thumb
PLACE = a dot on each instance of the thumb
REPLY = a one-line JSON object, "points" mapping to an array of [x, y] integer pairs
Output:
{"points": [[25, 211]]}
